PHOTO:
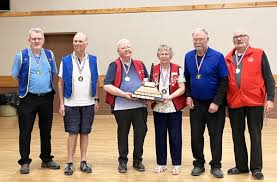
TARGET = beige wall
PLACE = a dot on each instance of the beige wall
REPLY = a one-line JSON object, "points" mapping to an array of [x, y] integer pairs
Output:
{"points": [[145, 30]]}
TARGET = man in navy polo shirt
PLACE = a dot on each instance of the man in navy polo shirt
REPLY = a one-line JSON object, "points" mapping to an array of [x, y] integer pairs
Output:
{"points": [[206, 75], [124, 76]]}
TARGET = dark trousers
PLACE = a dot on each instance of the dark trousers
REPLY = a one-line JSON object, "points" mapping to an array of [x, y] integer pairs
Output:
{"points": [[124, 118], [29, 106], [199, 117], [171, 122], [254, 117]]}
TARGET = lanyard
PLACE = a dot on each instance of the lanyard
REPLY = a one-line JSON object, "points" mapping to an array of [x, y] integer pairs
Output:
{"points": [[37, 60], [199, 66], [81, 65], [165, 75], [239, 60], [126, 71]]}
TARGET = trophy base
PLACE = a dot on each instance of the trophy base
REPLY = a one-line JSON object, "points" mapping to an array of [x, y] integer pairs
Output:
{"points": [[149, 84], [160, 99], [148, 91]]}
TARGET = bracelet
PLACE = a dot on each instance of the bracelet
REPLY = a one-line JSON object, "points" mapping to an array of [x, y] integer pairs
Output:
{"points": [[96, 99]]}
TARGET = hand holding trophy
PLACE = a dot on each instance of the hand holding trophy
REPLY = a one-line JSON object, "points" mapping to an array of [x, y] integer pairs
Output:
{"points": [[149, 90]]}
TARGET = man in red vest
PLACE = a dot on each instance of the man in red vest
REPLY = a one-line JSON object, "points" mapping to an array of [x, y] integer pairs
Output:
{"points": [[124, 76], [250, 95]]}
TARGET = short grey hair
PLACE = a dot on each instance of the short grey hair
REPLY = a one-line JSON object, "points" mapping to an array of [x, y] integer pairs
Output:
{"points": [[122, 41], [166, 48], [241, 31], [37, 30], [200, 30]]}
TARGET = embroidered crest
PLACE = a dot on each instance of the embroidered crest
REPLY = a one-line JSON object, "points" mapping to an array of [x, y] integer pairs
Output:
{"points": [[250, 59]]}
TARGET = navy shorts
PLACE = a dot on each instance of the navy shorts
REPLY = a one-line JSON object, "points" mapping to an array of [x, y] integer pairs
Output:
{"points": [[78, 119]]}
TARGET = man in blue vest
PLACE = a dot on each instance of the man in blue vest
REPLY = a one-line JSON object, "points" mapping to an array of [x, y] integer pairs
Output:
{"points": [[78, 93], [34, 68]]}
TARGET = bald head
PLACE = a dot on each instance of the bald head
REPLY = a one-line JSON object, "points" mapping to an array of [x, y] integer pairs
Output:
{"points": [[80, 43], [80, 35]]}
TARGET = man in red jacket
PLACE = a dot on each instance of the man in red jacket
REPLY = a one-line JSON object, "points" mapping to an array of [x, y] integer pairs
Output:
{"points": [[250, 95]]}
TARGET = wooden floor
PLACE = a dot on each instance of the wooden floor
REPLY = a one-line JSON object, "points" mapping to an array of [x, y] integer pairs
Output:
{"points": [[103, 155]]}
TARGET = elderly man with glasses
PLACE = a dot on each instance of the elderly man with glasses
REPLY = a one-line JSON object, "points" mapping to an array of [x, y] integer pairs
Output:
{"points": [[250, 95]]}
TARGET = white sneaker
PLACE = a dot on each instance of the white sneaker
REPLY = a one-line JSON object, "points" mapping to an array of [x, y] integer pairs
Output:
{"points": [[176, 170], [160, 169]]}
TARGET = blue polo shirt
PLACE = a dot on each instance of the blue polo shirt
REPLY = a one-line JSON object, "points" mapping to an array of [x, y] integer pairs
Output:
{"points": [[38, 83], [213, 68]]}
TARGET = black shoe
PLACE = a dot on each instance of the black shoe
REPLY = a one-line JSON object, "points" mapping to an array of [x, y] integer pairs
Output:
{"points": [[24, 169], [197, 171], [50, 165], [216, 172], [235, 170], [122, 167], [258, 175], [69, 169], [85, 167], [139, 166]]}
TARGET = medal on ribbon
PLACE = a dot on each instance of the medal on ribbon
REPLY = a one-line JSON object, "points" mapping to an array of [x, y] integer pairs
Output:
{"points": [[238, 61], [80, 66], [198, 75], [127, 78]]}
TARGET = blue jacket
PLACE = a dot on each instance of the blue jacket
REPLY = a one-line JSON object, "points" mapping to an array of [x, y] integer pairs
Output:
{"points": [[24, 74], [68, 70]]}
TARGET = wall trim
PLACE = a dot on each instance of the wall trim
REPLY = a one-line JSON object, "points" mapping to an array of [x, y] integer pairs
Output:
{"points": [[9, 82], [152, 9]]}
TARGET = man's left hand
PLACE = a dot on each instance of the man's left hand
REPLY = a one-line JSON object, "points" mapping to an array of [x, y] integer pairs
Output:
{"points": [[213, 108], [268, 106]]}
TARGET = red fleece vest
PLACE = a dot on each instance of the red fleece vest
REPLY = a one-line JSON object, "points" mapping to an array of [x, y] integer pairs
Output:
{"points": [[180, 101], [117, 81], [252, 89]]}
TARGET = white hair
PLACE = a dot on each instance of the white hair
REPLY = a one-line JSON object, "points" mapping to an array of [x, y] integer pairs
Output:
{"points": [[122, 41], [240, 31], [200, 30]]}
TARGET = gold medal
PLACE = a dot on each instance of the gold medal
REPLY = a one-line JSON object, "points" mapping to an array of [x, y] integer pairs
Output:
{"points": [[198, 76]]}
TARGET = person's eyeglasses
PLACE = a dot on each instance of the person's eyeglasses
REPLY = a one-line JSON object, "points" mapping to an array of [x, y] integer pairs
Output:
{"points": [[239, 36], [199, 39]]}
